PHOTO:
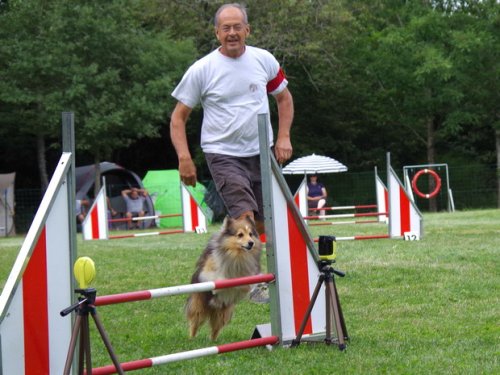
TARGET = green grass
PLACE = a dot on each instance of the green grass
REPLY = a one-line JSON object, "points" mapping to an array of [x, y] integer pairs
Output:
{"points": [[423, 307]]}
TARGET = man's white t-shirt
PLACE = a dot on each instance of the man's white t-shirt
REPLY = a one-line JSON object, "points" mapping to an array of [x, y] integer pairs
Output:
{"points": [[232, 92]]}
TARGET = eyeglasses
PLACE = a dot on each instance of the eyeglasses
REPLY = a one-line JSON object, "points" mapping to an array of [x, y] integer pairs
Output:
{"points": [[237, 28]]}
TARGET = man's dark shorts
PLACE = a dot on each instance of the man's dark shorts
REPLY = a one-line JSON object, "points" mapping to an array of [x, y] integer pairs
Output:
{"points": [[238, 182]]}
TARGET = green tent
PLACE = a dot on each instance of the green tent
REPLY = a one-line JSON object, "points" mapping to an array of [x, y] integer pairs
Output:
{"points": [[164, 187]]}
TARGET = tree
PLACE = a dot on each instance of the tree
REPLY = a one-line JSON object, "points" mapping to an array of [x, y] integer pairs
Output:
{"points": [[93, 58], [427, 63]]}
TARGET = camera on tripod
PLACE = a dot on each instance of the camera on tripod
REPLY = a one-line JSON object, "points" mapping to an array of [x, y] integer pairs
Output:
{"points": [[327, 248]]}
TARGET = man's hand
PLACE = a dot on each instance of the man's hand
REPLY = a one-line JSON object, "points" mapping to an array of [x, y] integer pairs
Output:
{"points": [[187, 169], [283, 149], [187, 172]]}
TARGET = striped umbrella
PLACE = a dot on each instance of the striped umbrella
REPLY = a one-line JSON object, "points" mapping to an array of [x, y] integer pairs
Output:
{"points": [[313, 164]]}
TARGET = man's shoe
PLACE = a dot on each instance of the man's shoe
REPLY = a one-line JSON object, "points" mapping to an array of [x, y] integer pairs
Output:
{"points": [[259, 294]]}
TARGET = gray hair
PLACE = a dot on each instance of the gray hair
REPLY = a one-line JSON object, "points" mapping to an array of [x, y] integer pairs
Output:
{"points": [[239, 6]]}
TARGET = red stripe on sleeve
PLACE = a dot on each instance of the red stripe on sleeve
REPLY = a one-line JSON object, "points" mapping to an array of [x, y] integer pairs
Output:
{"points": [[276, 81]]}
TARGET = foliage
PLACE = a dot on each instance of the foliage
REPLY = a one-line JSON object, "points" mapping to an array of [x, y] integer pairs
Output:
{"points": [[423, 307], [92, 58], [418, 79]]}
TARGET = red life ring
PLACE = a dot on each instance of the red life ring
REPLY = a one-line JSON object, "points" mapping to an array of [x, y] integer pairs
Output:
{"points": [[437, 180]]}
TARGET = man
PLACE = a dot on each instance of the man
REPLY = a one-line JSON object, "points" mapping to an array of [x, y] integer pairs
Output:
{"points": [[232, 84], [134, 199]]}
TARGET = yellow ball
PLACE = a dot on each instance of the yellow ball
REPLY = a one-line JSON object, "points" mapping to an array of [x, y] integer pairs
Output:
{"points": [[84, 271]]}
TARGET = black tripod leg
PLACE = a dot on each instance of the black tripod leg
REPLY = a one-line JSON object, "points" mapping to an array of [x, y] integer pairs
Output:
{"points": [[328, 304], [81, 355], [72, 345], [107, 343], [85, 345], [341, 315], [335, 306], [297, 339]]}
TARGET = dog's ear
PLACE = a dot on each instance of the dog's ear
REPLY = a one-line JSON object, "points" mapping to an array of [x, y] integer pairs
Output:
{"points": [[250, 220], [228, 221]]}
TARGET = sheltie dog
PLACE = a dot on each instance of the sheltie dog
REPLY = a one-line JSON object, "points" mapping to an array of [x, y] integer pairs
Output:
{"points": [[232, 252]]}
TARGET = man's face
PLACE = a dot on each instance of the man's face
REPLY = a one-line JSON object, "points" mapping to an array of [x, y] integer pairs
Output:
{"points": [[134, 194], [232, 32]]}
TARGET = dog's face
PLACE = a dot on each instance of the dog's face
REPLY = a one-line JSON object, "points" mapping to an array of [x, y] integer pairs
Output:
{"points": [[240, 234]]}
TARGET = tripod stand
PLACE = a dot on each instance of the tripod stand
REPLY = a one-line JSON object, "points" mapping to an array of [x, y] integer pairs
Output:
{"points": [[83, 307], [333, 309]]}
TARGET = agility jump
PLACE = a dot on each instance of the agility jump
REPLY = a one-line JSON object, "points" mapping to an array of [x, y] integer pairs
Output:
{"points": [[95, 224], [85, 307], [24, 303], [403, 218], [31, 332], [355, 208]]}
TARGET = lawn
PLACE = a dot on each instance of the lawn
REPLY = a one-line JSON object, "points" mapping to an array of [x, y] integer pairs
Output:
{"points": [[422, 307]]}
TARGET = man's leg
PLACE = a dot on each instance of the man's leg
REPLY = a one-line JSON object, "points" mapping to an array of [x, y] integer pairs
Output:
{"points": [[259, 224], [238, 183], [140, 223], [129, 221], [321, 204]]}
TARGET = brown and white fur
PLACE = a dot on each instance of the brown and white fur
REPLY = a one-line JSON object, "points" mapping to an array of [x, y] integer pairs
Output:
{"points": [[232, 252]]}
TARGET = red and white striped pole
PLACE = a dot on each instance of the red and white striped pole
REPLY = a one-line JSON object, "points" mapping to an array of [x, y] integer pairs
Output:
{"points": [[145, 234], [342, 208], [182, 289], [363, 214], [191, 354], [367, 237], [344, 222]]}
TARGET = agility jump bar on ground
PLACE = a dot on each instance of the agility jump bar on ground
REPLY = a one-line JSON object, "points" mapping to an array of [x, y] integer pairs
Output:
{"points": [[341, 208], [191, 354], [339, 216], [121, 220], [380, 219], [144, 234], [349, 222]]}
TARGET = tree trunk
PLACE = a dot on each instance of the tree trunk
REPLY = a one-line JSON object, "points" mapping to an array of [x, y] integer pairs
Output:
{"points": [[497, 132], [97, 177], [431, 157], [42, 163]]}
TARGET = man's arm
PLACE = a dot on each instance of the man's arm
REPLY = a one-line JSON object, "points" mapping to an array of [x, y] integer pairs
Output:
{"points": [[142, 191], [283, 146], [125, 192], [187, 169]]}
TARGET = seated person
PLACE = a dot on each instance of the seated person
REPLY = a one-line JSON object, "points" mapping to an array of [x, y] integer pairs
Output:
{"points": [[111, 211], [316, 194], [81, 208], [134, 199]]}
